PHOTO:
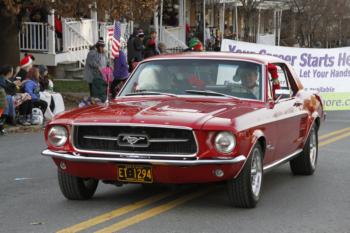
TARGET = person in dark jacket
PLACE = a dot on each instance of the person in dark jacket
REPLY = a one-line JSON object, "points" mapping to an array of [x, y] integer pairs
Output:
{"points": [[120, 73], [3, 105], [138, 46], [9, 113], [130, 48]]}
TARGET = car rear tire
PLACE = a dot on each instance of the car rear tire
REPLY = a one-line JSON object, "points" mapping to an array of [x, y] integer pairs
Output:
{"points": [[305, 163], [244, 191], [76, 188]]}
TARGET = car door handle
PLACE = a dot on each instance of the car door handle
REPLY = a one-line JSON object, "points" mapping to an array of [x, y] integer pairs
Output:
{"points": [[297, 104]]}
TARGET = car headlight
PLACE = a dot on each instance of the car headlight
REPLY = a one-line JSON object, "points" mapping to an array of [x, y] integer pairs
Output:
{"points": [[225, 142], [57, 136]]}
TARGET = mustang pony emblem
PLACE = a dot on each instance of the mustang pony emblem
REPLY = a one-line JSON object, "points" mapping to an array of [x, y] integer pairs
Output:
{"points": [[133, 139]]}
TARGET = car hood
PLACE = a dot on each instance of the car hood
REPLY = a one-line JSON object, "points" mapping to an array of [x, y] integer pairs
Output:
{"points": [[184, 112]]}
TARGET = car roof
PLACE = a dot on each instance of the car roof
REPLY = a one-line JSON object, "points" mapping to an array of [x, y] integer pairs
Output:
{"points": [[258, 58]]}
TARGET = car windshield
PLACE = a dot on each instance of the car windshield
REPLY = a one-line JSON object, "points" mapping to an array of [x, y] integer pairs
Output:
{"points": [[238, 79]]}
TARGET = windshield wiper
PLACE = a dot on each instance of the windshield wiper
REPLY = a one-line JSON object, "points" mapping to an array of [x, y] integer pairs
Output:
{"points": [[150, 93], [208, 92]]}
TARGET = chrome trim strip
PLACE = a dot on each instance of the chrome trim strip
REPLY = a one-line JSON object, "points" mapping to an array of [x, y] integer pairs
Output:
{"points": [[281, 161], [156, 140], [78, 158], [160, 140], [101, 138], [133, 154], [130, 124]]}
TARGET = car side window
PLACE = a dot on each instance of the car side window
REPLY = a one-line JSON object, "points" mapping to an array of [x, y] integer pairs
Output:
{"points": [[283, 80], [293, 86], [269, 87]]}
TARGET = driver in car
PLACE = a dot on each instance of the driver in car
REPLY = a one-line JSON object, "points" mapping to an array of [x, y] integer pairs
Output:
{"points": [[248, 77]]}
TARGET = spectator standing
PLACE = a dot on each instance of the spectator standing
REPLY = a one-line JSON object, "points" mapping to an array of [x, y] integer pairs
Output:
{"points": [[130, 47], [32, 87], [120, 73], [138, 46], [58, 29], [151, 45], [95, 61]]}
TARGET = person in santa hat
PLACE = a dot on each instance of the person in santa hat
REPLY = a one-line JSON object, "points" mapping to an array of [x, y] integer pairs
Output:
{"points": [[26, 64]]}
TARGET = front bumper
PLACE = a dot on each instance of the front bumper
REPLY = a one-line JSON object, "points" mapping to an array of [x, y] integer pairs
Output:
{"points": [[79, 158], [164, 171]]}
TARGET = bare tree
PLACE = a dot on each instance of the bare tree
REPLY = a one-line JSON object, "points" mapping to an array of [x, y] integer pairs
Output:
{"points": [[320, 22], [12, 12], [249, 9]]}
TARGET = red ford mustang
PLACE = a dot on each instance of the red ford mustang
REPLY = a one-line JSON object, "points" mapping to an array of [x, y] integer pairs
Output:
{"points": [[191, 118]]}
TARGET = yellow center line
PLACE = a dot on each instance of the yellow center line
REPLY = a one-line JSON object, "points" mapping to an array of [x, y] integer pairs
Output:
{"points": [[337, 138], [165, 207], [333, 133], [115, 213], [152, 212]]}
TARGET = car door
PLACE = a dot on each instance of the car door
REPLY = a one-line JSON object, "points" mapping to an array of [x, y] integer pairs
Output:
{"points": [[288, 115]]}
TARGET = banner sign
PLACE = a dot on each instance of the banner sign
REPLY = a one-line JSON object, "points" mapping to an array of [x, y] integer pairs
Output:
{"points": [[326, 71]]}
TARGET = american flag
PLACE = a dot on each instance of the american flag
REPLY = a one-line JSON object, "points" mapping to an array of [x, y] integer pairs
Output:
{"points": [[114, 35]]}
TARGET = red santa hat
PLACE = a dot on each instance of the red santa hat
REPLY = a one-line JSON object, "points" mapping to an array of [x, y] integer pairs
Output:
{"points": [[26, 61]]}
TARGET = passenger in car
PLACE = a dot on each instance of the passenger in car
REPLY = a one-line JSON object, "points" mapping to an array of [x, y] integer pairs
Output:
{"points": [[187, 79], [153, 79]]}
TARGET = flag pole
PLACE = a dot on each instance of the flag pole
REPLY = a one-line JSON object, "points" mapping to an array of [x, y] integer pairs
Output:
{"points": [[108, 66]]}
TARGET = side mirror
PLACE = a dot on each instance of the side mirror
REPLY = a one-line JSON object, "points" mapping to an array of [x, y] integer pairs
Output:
{"points": [[281, 93]]}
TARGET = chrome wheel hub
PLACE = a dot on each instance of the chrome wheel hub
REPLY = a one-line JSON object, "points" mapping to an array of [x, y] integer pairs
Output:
{"points": [[256, 172], [313, 148]]}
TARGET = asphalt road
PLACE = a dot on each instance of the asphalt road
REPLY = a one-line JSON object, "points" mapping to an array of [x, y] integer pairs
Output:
{"points": [[30, 200]]}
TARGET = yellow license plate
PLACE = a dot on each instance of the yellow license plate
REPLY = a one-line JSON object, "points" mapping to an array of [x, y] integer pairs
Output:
{"points": [[135, 173]]}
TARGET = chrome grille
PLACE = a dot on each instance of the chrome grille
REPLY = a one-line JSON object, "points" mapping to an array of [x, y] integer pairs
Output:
{"points": [[144, 140]]}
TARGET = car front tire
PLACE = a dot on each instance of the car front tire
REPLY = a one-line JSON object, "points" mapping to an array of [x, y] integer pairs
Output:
{"points": [[305, 163], [76, 188], [244, 191]]}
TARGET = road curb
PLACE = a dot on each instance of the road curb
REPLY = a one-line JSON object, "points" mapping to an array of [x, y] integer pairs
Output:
{"points": [[24, 129]]}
